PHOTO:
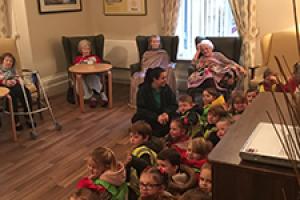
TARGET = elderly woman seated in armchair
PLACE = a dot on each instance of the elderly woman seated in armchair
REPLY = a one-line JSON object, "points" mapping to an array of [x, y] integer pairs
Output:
{"points": [[154, 57], [213, 69]]}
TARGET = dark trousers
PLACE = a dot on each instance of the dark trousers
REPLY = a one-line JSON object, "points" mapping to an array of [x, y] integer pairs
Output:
{"points": [[17, 96]]}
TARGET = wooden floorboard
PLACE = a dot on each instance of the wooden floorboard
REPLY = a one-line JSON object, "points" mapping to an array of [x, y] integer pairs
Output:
{"points": [[48, 168]]}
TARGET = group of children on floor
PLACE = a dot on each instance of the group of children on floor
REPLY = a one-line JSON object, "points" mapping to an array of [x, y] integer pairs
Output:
{"points": [[174, 166]]}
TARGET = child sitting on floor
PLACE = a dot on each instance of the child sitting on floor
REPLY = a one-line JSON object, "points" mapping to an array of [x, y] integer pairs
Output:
{"points": [[209, 131], [106, 175], [251, 94], [270, 82], [293, 84], [190, 114], [142, 154], [153, 183], [177, 136], [181, 177], [238, 104], [210, 97], [92, 86], [223, 125], [204, 189], [196, 154]]}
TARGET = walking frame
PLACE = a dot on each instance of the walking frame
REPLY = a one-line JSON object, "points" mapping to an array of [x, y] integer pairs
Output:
{"points": [[43, 101]]}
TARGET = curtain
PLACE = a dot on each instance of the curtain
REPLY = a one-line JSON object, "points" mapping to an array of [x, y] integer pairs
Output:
{"points": [[244, 12], [169, 16], [4, 30]]}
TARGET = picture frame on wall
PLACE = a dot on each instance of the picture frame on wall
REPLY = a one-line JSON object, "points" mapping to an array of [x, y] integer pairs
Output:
{"points": [[125, 7], [55, 6]]}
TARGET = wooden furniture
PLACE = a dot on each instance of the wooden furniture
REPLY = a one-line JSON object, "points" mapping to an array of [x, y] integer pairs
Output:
{"points": [[235, 179], [83, 69], [4, 93]]}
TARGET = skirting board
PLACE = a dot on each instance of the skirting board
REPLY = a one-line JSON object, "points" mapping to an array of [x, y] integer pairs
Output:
{"points": [[56, 84]]}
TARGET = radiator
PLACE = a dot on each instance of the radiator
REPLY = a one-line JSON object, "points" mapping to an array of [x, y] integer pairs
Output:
{"points": [[121, 53]]}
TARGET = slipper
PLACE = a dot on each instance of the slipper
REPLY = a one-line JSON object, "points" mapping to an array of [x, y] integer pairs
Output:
{"points": [[93, 102]]}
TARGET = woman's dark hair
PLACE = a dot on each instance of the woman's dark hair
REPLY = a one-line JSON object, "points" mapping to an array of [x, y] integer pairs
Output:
{"points": [[8, 55], [213, 92], [159, 177], [170, 155], [153, 73]]}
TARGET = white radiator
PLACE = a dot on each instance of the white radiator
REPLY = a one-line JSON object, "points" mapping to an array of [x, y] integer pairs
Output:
{"points": [[121, 53]]}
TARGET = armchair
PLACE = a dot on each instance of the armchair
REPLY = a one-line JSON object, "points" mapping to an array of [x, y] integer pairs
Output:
{"points": [[229, 46], [70, 45], [31, 79], [169, 43], [280, 44]]}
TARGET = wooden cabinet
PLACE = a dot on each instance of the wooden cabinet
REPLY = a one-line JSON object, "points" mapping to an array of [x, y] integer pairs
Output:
{"points": [[234, 179]]}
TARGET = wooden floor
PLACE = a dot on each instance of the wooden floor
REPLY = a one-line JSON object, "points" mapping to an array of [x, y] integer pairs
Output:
{"points": [[49, 167]]}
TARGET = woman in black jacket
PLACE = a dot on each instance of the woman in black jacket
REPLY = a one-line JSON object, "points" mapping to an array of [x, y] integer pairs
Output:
{"points": [[156, 103]]}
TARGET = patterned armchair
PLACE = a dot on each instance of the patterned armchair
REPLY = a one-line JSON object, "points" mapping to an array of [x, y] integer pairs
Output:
{"points": [[229, 46]]}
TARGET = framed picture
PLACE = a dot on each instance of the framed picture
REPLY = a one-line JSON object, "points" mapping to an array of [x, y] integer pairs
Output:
{"points": [[54, 6], [125, 7]]}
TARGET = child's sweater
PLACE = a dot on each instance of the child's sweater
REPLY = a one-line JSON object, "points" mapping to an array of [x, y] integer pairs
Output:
{"points": [[184, 180], [194, 164], [192, 120], [111, 184]]}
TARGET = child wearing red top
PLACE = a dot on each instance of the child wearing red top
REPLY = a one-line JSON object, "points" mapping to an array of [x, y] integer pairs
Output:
{"points": [[196, 154], [106, 175], [178, 135], [293, 84]]}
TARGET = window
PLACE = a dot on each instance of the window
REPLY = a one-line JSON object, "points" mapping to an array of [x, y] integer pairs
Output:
{"points": [[202, 18]]}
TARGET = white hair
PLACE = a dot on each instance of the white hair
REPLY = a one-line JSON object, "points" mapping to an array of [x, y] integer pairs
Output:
{"points": [[83, 43], [208, 43]]}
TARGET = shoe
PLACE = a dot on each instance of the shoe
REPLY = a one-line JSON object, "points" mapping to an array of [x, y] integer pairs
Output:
{"points": [[93, 102], [103, 103], [104, 99], [103, 96], [19, 127]]}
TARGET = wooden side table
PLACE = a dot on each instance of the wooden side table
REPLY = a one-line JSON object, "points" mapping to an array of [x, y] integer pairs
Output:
{"points": [[4, 93], [84, 69]]}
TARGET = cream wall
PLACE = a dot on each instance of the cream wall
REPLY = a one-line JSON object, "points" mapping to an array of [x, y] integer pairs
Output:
{"points": [[46, 31], [20, 30], [125, 27], [40, 41], [274, 16]]}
